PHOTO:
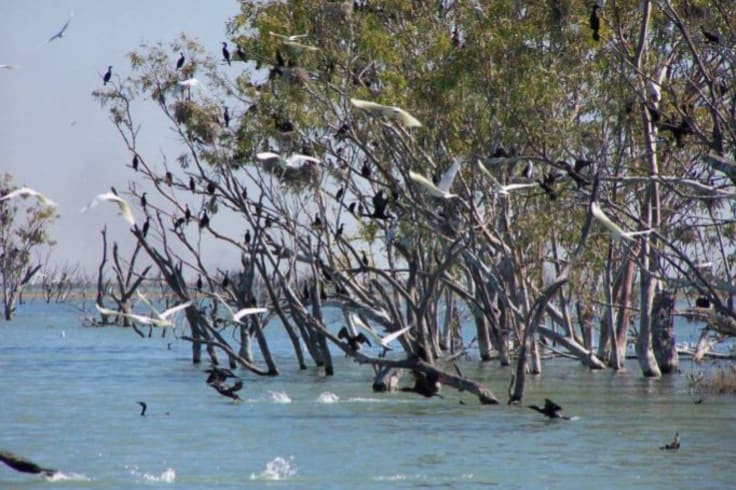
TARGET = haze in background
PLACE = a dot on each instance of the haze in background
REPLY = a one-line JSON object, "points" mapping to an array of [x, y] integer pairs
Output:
{"points": [[53, 136]]}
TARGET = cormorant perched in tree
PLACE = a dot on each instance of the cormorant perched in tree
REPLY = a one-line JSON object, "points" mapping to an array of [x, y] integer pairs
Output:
{"points": [[199, 283], [146, 225], [107, 76], [144, 202], [551, 410], [226, 116], [143, 408], [180, 61], [225, 53], [351, 207], [380, 201], [134, 164], [168, 179], [710, 37], [365, 170], [225, 281], [187, 213], [595, 23], [339, 231], [674, 445], [547, 183], [364, 259], [23, 465], [204, 221], [353, 341], [246, 238], [211, 188], [702, 302], [192, 185], [239, 51]]}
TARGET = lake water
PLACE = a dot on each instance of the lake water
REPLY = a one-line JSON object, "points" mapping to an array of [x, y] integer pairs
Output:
{"points": [[69, 398]]}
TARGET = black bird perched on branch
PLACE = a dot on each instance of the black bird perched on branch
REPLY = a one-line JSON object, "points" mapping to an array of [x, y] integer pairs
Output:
{"points": [[106, 77], [134, 163], [199, 283], [380, 201], [674, 445], [595, 23], [192, 185], [547, 185], [144, 202], [551, 409], [365, 170], [710, 37], [143, 408], [180, 61], [354, 341], [146, 226], [226, 116], [702, 302], [226, 53], [239, 51], [204, 221], [23, 465]]}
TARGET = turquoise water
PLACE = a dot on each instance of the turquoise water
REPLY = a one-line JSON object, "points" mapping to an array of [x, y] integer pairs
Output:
{"points": [[69, 398]]}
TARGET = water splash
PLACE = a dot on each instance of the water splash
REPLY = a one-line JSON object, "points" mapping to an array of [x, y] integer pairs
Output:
{"points": [[327, 397], [167, 476], [279, 397], [61, 476], [277, 469]]}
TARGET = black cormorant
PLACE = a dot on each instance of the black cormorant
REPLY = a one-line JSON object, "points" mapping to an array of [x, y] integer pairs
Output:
{"points": [[239, 51], [146, 225], [702, 302], [225, 53], [228, 391], [199, 283], [180, 61], [247, 237], [134, 163], [107, 76], [551, 409], [674, 445], [23, 465], [192, 185], [710, 37], [226, 116], [595, 23], [144, 202], [204, 221], [353, 341], [143, 408]]}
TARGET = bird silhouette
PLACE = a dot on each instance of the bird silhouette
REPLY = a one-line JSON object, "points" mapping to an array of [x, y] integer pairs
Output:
{"points": [[226, 53], [391, 112], [218, 375], [354, 341], [61, 32], [108, 74], [28, 192], [615, 231], [425, 384], [441, 190], [380, 201], [23, 465], [710, 37], [180, 61], [143, 408], [125, 210], [551, 410], [228, 391], [595, 23], [674, 445]]}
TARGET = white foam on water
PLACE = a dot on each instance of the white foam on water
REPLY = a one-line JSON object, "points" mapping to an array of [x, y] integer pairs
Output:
{"points": [[327, 397], [62, 476], [277, 469], [167, 476], [280, 397]]}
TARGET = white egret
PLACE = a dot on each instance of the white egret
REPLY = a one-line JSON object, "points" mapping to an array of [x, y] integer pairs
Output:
{"points": [[387, 111], [125, 210], [383, 341], [616, 231], [503, 190], [157, 320], [291, 161], [235, 316], [442, 190], [188, 84], [292, 41], [60, 34], [293, 37], [26, 192]]}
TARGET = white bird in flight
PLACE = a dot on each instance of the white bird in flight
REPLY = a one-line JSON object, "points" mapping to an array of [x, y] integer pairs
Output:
{"points": [[442, 190], [504, 190], [616, 231], [125, 210], [292, 161], [388, 111], [383, 341], [293, 41], [235, 316], [26, 192], [157, 320], [60, 34]]}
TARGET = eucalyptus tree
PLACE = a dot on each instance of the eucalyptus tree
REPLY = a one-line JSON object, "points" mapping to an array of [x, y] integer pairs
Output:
{"points": [[23, 232], [391, 162]]}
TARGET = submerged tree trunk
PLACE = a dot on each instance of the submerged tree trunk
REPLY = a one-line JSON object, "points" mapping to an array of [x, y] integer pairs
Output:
{"points": [[663, 333]]}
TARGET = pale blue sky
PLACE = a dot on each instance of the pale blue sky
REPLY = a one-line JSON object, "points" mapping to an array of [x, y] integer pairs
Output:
{"points": [[52, 86]]}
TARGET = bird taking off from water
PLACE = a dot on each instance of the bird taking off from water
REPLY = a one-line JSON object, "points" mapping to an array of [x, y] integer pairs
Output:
{"points": [[551, 410], [616, 231], [23, 465], [60, 34], [28, 192], [388, 111], [125, 210], [674, 445], [442, 190]]}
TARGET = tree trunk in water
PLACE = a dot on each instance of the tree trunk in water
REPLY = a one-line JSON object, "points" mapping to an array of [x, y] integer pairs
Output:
{"points": [[246, 344], [484, 343], [663, 334], [644, 352], [535, 363]]}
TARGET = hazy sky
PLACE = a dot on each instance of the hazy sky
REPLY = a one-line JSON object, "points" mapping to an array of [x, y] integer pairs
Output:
{"points": [[54, 137]]}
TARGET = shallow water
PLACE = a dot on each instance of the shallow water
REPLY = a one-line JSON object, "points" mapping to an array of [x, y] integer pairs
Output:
{"points": [[70, 393]]}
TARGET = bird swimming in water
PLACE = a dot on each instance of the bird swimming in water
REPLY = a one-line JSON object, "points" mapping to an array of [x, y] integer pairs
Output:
{"points": [[143, 408], [23, 465], [551, 410], [108, 74], [674, 445]]}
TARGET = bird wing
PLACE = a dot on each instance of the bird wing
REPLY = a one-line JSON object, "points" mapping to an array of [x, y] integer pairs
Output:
{"points": [[106, 311], [27, 191], [236, 387], [406, 119], [394, 335], [299, 46], [174, 309], [356, 321], [449, 176], [248, 311], [369, 106], [63, 28], [512, 187], [293, 160], [224, 303], [551, 406], [428, 186], [613, 228]]}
